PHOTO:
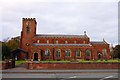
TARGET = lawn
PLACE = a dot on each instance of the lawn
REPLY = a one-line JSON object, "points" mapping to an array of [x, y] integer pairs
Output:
{"points": [[62, 61], [98, 60], [19, 62], [65, 61]]}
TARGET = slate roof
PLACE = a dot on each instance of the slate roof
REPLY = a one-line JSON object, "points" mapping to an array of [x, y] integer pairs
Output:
{"points": [[38, 44], [98, 42], [61, 36]]}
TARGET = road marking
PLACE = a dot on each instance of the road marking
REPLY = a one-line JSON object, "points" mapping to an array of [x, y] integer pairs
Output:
{"points": [[73, 77], [69, 77], [106, 77]]}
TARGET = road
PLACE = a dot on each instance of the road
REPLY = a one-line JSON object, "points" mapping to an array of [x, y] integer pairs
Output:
{"points": [[61, 74], [100, 74]]}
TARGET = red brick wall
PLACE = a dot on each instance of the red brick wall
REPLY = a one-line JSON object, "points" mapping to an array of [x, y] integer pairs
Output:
{"points": [[41, 49], [33, 65], [7, 64], [61, 40]]}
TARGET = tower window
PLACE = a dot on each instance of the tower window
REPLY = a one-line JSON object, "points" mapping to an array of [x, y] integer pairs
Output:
{"points": [[27, 29]]}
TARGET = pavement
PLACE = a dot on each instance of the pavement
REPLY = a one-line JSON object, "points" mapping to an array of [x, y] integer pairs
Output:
{"points": [[95, 74]]}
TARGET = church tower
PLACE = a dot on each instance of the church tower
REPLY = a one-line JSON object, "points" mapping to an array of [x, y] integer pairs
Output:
{"points": [[27, 33]]}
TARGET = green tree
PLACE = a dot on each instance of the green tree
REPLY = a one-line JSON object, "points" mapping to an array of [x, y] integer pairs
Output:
{"points": [[13, 43], [8, 47], [5, 51], [117, 52]]}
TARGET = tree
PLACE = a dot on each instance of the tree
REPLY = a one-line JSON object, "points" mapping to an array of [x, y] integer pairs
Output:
{"points": [[8, 46], [13, 43], [117, 52], [5, 51]]}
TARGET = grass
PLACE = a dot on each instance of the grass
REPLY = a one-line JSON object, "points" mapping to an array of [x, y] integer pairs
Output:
{"points": [[83, 61], [98, 61], [19, 62], [63, 61]]}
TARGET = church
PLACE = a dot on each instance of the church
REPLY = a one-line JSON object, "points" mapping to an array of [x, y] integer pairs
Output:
{"points": [[59, 47]]}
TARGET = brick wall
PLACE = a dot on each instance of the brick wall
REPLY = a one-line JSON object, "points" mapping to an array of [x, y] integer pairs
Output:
{"points": [[7, 64], [87, 65]]}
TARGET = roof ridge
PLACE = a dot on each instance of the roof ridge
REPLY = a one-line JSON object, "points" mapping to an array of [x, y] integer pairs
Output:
{"points": [[60, 35]]}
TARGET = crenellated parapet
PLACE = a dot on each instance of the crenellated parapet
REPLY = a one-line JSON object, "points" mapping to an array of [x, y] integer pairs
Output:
{"points": [[28, 18]]}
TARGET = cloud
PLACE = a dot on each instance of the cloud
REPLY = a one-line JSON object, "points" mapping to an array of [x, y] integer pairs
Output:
{"points": [[99, 19]]}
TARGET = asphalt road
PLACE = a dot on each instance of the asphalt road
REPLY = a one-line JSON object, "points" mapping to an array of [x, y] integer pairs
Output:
{"points": [[62, 74]]}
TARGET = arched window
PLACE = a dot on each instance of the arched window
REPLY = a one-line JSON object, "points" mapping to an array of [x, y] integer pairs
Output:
{"points": [[35, 56], [47, 52], [27, 29], [78, 52], [87, 54], [58, 53], [104, 52], [67, 53]]}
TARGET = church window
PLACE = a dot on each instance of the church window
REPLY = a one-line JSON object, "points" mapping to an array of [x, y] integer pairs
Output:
{"points": [[47, 52], [66, 42], [58, 53], [27, 29], [38, 41], [87, 54], [47, 41], [56, 41], [74, 42], [78, 52], [104, 51], [67, 53]]}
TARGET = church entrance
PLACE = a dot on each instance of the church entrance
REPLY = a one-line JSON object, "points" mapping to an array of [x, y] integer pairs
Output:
{"points": [[99, 56], [35, 56]]}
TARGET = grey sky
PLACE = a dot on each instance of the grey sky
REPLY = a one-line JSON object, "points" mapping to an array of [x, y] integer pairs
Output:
{"points": [[98, 19]]}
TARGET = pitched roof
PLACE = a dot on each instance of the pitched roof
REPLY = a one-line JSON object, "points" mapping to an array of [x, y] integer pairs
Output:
{"points": [[98, 42], [61, 36], [38, 44]]}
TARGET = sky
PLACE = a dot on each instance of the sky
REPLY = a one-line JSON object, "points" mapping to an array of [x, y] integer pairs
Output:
{"points": [[98, 18]]}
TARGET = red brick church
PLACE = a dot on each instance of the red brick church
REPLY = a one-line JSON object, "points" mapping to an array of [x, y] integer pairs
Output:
{"points": [[59, 47]]}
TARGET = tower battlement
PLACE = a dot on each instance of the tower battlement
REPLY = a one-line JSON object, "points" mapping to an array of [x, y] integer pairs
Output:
{"points": [[29, 19]]}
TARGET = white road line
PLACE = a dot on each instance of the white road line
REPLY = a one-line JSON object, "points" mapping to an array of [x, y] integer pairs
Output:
{"points": [[69, 78], [106, 77], [73, 77]]}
